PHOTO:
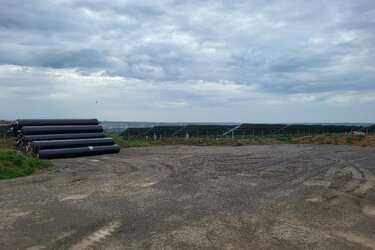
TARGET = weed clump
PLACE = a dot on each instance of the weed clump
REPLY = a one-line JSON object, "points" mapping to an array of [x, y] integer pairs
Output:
{"points": [[15, 164]]}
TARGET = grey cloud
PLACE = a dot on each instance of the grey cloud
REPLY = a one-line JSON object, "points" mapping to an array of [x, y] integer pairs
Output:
{"points": [[281, 47], [86, 58]]}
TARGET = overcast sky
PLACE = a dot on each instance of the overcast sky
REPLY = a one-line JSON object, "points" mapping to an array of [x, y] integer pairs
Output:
{"points": [[240, 61]]}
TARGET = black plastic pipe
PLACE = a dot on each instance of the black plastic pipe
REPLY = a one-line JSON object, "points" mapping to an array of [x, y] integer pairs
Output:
{"points": [[28, 138], [54, 144], [75, 152], [54, 122], [40, 130]]}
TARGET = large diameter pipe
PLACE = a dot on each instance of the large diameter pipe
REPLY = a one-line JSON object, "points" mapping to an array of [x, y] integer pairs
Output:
{"points": [[40, 130], [28, 138], [76, 152], [53, 122], [54, 144]]}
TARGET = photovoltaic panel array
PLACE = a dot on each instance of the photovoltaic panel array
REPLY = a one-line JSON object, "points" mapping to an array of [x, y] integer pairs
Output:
{"points": [[292, 129], [178, 131], [245, 129], [135, 132], [203, 130], [163, 131], [369, 129], [300, 129], [248, 129]]}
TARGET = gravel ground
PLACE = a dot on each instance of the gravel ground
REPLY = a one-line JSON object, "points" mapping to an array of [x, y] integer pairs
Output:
{"points": [[189, 197]]}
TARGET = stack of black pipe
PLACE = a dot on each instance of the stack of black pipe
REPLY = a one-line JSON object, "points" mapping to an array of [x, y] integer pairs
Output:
{"points": [[60, 138]]}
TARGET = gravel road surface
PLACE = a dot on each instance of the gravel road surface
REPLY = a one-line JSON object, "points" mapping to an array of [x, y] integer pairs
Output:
{"points": [[190, 197]]}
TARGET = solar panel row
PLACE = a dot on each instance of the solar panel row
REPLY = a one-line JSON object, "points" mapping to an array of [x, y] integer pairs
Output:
{"points": [[245, 129], [164, 131], [284, 129], [135, 132], [369, 129], [178, 131], [204, 130]]}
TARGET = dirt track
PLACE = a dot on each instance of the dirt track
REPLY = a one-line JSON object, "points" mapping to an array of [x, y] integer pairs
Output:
{"points": [[173, 197]]}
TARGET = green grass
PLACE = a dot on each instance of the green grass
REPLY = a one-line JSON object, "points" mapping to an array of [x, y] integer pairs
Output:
{"points": [[283, 138], [336, 139], [122, 142], [349, 139], [140, 143], [203, 141], [7, 143], [15, 164]]}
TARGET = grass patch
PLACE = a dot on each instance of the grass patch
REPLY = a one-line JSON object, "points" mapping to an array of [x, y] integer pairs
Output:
{"points": [[349, 139], [204, 141], [122, 142], [15, 164], [283, 138], [119, 140], [336, 139], [140, 143], [7, 143]]}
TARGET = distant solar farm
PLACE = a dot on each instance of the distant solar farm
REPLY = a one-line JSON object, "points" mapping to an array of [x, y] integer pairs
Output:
{"points": [[242, 130]]}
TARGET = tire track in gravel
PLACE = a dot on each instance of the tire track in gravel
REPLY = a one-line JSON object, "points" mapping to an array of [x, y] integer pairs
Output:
{"points": [[96, 237]]}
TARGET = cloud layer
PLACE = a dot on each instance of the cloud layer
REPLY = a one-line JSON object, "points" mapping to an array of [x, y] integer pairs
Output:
{"points": [[250, 61]]}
